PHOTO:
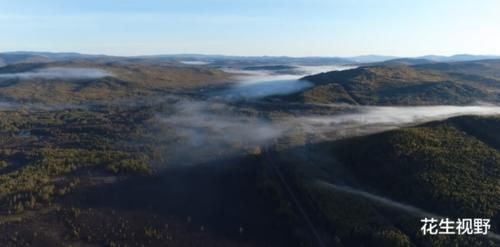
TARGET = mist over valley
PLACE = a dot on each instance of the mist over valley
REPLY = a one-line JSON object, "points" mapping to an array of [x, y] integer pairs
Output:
{"points": [[231, 150]]}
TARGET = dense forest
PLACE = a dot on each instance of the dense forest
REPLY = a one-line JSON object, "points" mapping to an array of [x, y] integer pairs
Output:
{"points": [[449, 168]]}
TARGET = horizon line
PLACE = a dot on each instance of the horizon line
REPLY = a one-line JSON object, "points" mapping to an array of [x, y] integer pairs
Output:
{"points": [[248, 56]]}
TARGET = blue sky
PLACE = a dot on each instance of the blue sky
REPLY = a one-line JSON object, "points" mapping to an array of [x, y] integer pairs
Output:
{"points": [[252, 27]]}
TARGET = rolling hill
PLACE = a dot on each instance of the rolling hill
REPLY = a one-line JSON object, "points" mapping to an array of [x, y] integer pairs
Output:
{"points": [[399, 84], [120, 81], [372, 190], [448, 167]]}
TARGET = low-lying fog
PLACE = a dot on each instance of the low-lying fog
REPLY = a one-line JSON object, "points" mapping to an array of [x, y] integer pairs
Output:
{"points": [[253, 84], [358, 120], [210, 130], [58, 73], [194, 62], [217, 128]]}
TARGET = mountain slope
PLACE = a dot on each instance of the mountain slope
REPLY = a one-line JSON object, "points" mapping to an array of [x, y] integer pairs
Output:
{"points": [[373, 190], [421, 84], [28, 82], [438, 166]]}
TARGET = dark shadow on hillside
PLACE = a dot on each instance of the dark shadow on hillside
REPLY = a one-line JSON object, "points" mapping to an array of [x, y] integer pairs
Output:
{"points": [[222, 196]]}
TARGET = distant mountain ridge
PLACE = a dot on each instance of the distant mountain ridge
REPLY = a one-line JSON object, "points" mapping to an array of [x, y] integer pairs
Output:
{"points": [[7, 58], [458, 57]]}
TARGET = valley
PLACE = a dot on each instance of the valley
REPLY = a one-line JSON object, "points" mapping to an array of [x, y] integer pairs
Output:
{"points": [[190, 151]]}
